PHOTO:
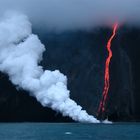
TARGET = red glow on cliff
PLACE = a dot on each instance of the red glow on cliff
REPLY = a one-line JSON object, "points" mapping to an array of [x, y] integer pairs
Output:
{"points": [[106, 77]]}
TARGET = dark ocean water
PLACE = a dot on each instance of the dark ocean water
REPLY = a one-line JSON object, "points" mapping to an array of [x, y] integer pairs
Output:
{"points": [[69, 131]]}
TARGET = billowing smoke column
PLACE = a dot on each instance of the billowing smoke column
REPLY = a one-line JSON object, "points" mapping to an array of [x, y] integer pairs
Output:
{"points": [[102, 104], [20, 53]]}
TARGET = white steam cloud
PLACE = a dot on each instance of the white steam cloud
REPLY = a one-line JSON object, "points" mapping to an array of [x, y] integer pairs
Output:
{"points": [[76, 14], [20, 53]]}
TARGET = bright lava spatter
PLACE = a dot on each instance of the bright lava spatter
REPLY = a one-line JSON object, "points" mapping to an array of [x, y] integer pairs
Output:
{"points": [[101, 108]]}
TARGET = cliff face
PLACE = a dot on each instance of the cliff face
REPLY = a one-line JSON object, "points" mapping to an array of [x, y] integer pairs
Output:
{"points": [[81, 56], [130, 43]]}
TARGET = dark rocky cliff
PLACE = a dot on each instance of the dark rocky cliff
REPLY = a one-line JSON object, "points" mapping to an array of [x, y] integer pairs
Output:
{"points": [[81, 56]]}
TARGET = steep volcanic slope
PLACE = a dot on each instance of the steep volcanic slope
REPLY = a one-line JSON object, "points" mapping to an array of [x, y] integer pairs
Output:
{"points": [[130, 40], [81, 56]]}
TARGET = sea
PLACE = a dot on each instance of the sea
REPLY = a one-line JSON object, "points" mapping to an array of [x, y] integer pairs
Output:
{"points": [[69, 131]]}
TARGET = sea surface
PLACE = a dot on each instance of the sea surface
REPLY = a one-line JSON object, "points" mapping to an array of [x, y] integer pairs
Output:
{"points": [[69, 131]]}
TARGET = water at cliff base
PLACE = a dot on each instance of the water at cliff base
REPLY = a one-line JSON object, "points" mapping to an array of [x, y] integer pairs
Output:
{"points": [[69, 131]]}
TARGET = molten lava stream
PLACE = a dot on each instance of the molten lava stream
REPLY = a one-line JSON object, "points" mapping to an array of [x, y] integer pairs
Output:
{"points": [[101, 108]]}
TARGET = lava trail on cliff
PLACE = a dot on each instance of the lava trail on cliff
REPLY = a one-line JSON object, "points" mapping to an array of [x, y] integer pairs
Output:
{"points": [[102, 104]]}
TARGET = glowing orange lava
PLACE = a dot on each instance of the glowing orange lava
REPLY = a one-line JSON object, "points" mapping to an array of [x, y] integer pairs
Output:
{"points": [[106, 78]]}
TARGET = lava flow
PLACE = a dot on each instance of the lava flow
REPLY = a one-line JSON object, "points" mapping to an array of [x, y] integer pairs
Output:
{"points": [[102, 104]]}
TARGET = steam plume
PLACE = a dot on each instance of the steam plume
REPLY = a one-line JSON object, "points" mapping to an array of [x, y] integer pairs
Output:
{"points": [[20, 53]]}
